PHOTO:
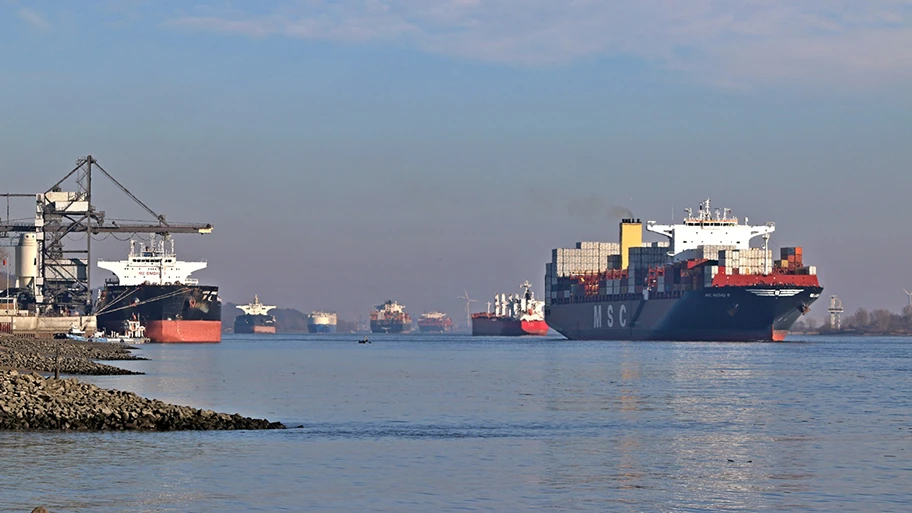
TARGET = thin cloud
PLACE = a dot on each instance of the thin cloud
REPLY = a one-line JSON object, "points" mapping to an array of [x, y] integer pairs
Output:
{"points": [[724, 42], [225, 26], [34, 19]]}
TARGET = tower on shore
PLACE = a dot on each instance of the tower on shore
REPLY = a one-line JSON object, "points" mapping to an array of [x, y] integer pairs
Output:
{"points": [[835, 310]]}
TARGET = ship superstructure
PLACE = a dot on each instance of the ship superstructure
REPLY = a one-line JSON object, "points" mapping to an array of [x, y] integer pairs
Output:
{"points": [[390, 317], [705, 283], [255, 319], [155, 288], [513, 315], [435, 322], [321, 322]]}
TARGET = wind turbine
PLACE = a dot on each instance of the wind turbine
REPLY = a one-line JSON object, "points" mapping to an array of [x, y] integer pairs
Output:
{"points": [[469, 302], [910, 296]]}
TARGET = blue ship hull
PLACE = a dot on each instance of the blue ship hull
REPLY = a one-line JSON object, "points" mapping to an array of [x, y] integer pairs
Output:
{"points": [[321, 328], [726, 314]]}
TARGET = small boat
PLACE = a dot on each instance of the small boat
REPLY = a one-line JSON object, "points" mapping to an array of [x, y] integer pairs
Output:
{"points": [[364, 341], [134, 333]]}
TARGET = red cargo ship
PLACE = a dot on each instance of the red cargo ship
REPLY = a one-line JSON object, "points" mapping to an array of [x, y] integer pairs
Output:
{"points": [[434, 322], [513, 316]]}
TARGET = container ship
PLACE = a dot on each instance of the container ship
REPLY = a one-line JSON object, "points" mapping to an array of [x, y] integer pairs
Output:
{"points": [[255, 319], [435, 322], [155, 288], [390, 317], [705, 283], [321, 322], [514, 315]]}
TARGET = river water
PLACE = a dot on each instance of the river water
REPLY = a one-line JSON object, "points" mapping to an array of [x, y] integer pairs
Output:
{"points": [[455, 423]]}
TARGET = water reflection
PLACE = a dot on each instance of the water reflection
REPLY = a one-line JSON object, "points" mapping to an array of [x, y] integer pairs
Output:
{"points": [[696, 427], [412, 424]]}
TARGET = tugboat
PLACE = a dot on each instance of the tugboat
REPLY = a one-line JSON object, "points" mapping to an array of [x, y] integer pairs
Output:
{"points": [[133, 333]]}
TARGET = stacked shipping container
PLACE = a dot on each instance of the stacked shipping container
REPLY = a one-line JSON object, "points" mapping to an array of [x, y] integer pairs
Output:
{"points": [[576, 270], [791, 259], [746, 261], [651, 254], [590, 270]]}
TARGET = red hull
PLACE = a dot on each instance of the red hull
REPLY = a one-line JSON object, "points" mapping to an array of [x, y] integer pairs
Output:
{"points": [[184, 331], [493, 326]]}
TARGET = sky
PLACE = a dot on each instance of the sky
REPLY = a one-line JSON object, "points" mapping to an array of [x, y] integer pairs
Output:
{"points": [[352, 152]]}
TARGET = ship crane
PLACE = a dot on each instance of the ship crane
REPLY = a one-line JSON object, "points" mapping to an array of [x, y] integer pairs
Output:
{"points": [[63, 272]]}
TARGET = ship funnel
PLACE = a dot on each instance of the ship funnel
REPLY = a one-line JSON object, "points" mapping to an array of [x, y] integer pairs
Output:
{"points": [[631, 237]]}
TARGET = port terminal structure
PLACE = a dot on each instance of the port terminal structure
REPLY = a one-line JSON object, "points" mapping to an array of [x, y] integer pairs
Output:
{"points": [[53, 272]]}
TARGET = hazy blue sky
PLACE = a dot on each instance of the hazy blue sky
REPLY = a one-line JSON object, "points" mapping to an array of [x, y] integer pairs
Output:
{"points": [[350, 152]]}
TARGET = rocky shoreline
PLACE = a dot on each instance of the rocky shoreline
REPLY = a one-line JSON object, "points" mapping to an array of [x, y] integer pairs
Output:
{"points": [[69, 356], [30, 401]]}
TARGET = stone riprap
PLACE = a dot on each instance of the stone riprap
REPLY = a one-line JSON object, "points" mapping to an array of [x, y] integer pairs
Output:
{"points": [[33, 402], [71, 357]]}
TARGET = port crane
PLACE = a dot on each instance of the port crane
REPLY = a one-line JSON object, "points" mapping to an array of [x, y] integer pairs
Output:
{"points": [[63, 271]]}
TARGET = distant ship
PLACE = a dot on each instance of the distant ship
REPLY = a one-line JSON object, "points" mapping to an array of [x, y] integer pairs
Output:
{"points": [[434, 322], [514, 315], [390, 317], [255, 319], [153, 287], [321, 322]]}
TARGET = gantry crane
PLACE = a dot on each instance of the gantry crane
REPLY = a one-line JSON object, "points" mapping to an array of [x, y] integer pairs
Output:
{"points": [[64, 270]]}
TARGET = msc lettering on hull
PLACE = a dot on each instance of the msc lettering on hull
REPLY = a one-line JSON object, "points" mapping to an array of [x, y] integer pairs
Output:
{"points": [[597, 319]]}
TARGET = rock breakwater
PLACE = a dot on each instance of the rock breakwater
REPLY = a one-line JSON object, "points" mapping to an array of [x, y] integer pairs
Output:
{"points": [[70, 357], [32, 402]]}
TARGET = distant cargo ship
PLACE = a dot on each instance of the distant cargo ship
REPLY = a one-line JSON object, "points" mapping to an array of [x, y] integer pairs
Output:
{"points": [[706, 284], [321, 322], [514, 315], [390, 317], [255, 319], [435, 322], [153, 287]]}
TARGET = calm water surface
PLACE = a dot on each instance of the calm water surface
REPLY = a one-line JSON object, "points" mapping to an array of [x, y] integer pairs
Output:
{"points": [[454, 423]]}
